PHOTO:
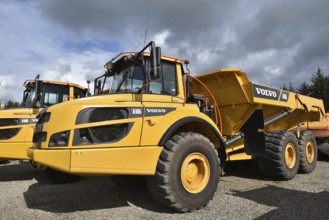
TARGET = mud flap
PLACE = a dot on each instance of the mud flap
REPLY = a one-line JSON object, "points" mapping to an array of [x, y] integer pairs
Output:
{"points": [[254, 137]]}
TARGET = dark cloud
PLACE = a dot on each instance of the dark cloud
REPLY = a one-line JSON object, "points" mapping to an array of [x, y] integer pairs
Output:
{"points": [[268, 39]]}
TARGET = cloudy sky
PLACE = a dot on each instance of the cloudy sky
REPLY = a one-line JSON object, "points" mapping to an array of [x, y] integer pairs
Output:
{"points": [[274, 42]]}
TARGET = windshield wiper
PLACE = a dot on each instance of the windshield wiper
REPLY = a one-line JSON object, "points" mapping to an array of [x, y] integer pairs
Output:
{"points": [[124, 79]]}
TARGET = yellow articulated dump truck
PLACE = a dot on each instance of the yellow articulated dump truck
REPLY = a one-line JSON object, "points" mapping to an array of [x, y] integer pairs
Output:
{"points": [[17, 124], [153, 120], [320, 130]]}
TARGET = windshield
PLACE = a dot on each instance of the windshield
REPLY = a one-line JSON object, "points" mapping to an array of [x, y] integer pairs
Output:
{"points": [[128, 80], [130, 77]]}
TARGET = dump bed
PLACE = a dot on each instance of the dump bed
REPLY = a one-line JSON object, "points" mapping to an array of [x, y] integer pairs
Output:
{"points": [[238, 98]]}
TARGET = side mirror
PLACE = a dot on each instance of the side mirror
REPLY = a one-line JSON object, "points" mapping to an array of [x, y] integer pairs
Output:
{"points": [[155, 71], [37, 89], [96, 87], [25, 95], [88, 90]]}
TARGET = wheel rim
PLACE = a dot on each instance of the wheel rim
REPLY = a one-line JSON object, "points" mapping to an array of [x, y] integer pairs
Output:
{"points": [[309, 152], [290, 155], [195, 172]]}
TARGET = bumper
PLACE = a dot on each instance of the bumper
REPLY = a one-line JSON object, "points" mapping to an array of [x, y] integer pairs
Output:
{"points": [[101, 161], [14, 151]]}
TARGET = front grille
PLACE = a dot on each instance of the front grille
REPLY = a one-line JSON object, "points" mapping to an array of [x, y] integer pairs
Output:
{"points": [[8, 122], [101, 134], [6, 134]]}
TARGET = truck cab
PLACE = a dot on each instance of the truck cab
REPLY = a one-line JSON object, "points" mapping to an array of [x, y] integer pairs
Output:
{"points": [[17, 124]]}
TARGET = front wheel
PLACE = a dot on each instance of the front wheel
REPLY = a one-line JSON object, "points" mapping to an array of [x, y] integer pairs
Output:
{"points": [[187, 173]]}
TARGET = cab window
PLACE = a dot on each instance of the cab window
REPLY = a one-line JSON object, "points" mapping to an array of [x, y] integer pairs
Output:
{"points": [[79, 93], [166, 84], [53, 94]]}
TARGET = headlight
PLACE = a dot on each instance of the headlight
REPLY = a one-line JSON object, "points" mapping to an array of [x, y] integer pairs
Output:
{"points": [[60, 139]]}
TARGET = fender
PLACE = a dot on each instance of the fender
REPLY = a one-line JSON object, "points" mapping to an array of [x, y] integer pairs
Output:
{"points": [[169, 133]]}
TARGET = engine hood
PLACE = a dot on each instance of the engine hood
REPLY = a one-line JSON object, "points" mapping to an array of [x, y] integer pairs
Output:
{"points": [[101, 100], [19, 112]]}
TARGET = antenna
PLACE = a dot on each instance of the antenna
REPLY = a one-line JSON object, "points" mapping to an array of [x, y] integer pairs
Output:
{"points": [[145, 36]]}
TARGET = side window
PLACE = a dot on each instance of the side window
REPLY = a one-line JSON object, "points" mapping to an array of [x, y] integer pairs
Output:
{"points": [[79, 93], [54, 94], [166, 84]]}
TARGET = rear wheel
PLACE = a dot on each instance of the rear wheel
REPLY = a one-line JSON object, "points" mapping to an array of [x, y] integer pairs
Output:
{"points": [[308, 152], [282, 155], [187, 173]]}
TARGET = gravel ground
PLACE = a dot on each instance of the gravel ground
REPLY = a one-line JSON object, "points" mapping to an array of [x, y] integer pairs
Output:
{"points": [[243, 194]]}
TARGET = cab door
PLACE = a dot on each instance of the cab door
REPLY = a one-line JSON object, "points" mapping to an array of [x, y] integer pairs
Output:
{"points": [[163, 98]]}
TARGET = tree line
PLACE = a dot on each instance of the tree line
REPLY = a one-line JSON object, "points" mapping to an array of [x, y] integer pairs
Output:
{"points": [[317, 88], [12, 104]]}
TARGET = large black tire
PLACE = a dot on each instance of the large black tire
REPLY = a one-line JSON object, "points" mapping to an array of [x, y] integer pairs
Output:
{"points": [[282, 155], [60, 177], [308, 152], [187, 173]]}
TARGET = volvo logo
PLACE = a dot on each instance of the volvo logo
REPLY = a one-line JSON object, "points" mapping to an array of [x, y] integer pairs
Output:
{"points": [[266, 92], [156, 110]]}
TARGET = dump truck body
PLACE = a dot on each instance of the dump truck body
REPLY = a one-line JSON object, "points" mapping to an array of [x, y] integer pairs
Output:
{"points": [[17, 124], [239, 98]]}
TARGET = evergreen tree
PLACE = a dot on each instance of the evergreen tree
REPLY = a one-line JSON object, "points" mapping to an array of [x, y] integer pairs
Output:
{"points": [[304, 89], [318, 88], [289, 88]]}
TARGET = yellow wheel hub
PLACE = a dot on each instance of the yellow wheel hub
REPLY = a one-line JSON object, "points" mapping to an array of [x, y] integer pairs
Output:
{"points": [[290, 156], [195, 172], [309, 152]]}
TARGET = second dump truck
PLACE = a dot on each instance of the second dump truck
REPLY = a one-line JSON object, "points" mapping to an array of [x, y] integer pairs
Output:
{"points": [[320, 130], [159, 122], [17, 124]]}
